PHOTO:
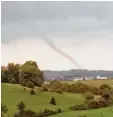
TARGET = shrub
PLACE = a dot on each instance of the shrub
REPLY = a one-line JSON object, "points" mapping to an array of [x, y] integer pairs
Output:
{"points": [[94, 90], [26, 113], [105, 86], [51, 90], [55, 84], [79, 107], [102, 102], [43, 89], [58, 91], [59, 110], [21, 106], [48, 112], [65, 87], [110, 102], [79, 88], [105, 94], [30, 85], [52, 101], [89, 95], [32, 92], [4, 109], [29, 113], [92, 104]]}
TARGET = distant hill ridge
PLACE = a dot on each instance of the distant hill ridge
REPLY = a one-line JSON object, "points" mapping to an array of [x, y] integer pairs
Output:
{"points": [[77, 73]]}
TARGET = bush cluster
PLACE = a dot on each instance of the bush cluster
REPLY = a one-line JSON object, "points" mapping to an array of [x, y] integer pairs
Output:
{"points": [[58, 87], [43, 89], [79, 107], [92, 103], [89, 95], [29, 113]]}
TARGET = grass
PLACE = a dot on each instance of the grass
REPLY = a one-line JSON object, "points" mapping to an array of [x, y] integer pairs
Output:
{"points": [[13, 94], [106, 112]]}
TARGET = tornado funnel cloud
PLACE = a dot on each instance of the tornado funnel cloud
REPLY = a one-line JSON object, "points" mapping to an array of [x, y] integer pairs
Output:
{"points": [[51, 44]]}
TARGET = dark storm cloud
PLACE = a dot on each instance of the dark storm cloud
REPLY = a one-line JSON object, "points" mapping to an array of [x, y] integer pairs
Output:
{"points": [[55, 10], [60, 19], [84, 30]]}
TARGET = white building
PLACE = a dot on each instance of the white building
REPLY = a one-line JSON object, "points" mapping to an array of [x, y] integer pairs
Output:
{"points": [[99, 77], [77, 78], [88, 78]]}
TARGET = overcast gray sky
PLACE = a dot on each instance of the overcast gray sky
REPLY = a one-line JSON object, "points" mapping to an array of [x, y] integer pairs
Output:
{"points": [[84, 30]]}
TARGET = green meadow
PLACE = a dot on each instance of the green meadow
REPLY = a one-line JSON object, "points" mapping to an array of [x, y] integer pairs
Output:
{"points": [[12, 94]]}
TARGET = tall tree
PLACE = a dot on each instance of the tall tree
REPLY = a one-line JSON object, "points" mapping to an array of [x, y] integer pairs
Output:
{"points": [[4, 78], [30, 72], [13, 72]]}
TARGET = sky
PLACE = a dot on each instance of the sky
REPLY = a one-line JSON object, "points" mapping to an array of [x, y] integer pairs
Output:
{"points": [[83, 30]]}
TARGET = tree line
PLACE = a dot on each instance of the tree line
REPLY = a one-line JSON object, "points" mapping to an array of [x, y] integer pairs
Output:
{"points": [[27, 74]]}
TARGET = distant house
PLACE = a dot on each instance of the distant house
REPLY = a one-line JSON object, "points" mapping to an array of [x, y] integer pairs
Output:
{"points": [[77, 78], [89, 78], [99, 77]]}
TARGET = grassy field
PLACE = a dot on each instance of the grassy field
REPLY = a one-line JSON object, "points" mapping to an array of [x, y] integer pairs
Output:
{"points": [[106, 112], [13, 94], [93, 82]]}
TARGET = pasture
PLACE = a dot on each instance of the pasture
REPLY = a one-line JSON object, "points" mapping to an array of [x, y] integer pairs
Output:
{"points": [[13, 94]]}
